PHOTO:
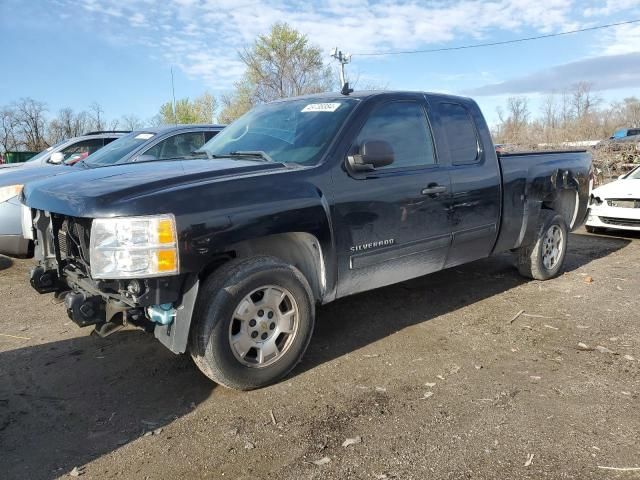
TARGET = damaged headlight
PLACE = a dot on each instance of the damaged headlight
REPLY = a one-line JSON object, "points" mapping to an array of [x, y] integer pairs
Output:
{"points": [[134, 247]]}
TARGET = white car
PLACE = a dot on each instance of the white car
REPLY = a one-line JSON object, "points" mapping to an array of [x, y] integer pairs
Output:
{"points": [[616, 204]]}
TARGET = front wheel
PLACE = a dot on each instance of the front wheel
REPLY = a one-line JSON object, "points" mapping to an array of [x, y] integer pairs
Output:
{"points": [[253, 322], [544, 259]]}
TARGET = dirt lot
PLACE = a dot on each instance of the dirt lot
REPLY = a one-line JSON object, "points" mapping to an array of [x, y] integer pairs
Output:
{"points": [[430, 374]]}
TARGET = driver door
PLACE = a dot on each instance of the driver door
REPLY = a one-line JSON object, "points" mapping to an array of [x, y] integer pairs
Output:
{"points": [[391, 224]]}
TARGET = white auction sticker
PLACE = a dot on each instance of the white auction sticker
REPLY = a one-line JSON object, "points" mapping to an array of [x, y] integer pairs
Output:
{"points": [[321, 107], [144, 136]]}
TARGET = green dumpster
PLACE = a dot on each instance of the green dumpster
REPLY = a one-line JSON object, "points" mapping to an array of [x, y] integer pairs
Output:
{"points": [[18, 157]]}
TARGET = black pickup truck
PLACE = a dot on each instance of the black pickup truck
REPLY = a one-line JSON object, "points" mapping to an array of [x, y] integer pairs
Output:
{"points": [[226, 253]]}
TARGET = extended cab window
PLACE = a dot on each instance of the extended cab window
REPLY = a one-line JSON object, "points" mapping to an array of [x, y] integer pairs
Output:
{"points": [[404, 126], [460, 132]]}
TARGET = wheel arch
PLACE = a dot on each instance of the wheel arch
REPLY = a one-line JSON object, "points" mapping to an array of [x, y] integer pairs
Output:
{"points": [[299, 249], [565, 202]]}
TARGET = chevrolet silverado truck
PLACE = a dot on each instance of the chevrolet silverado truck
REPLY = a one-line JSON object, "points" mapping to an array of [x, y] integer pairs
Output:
{"points": [[226, 253]]}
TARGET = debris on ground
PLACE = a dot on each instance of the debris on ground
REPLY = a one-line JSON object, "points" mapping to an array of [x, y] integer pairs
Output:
{"points": [[588, 279], [535, 315], [352, 441], [621, 469], [430, 384], [602, 349], [629, 357], [584, 346], [322, 461], [529, 460], [427, 395], [515, 317], [14, 336], [273, 417], [77, 471], [249, 445]]}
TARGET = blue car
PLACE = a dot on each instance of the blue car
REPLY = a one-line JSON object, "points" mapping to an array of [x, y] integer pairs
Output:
{"points": [[146, 145]]}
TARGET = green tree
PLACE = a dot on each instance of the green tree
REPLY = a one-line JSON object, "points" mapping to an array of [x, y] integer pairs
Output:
{"points": [[199, 110], [281, 64]]}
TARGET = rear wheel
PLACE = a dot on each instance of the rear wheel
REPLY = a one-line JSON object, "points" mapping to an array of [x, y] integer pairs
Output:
{"points": [[253, 322], [544, 259]]}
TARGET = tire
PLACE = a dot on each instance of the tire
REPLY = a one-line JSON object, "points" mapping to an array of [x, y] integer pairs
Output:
{"points": [[537, 261], [239, 288], [593, 229]]}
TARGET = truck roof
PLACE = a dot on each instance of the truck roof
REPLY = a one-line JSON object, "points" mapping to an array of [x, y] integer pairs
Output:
{"points": [[360, 95], [174, 128]]}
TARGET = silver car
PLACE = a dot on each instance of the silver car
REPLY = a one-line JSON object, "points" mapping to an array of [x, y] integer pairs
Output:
{"points": [[150, 144], [45, 163], [67, 151]]}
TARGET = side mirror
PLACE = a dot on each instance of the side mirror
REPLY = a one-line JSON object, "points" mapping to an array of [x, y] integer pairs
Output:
{"points": [[56, 158], [145, 157], [373, 154]]}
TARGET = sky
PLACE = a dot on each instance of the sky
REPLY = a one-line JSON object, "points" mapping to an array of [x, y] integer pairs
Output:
{"points": [[70, 53]]}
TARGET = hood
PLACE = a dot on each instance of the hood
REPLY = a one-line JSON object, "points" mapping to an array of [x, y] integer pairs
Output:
{"points": [[7, 167], [628, 187], [20, 176], [131, 189]]}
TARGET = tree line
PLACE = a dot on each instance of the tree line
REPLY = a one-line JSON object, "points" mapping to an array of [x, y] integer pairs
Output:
{"points": [[572, 115]]}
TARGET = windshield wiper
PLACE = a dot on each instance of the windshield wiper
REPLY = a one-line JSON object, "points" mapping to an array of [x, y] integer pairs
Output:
{"points": [[264, 156]]}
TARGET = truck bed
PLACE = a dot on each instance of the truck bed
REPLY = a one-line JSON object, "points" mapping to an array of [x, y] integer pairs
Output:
{"points": [[533, 180]]}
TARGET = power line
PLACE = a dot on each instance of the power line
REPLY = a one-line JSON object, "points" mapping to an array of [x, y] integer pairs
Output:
{"points": [[493, 44]]}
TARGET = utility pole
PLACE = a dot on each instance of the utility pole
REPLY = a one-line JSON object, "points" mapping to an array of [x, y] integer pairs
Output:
{"points": [[173, 93], [343, 59]]}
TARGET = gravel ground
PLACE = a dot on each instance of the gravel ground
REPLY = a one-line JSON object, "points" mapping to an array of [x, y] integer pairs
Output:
{"points": [[429, 377]]}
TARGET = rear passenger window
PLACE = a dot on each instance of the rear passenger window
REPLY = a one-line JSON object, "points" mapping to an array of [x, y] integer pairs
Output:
{"points": [[460, 132], [404, 126]]}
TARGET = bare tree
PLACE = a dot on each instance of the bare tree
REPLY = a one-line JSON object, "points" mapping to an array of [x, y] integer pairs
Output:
{"points": [[8, 125], [31, 123], [584, 101], [67, 124], [131, 122], [96, 113]]}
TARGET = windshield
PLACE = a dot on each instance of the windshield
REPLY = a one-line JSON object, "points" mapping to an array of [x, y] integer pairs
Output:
{"points": [[296, 131], [116, 150], [620, 133], [45, 152], [634, 174]]}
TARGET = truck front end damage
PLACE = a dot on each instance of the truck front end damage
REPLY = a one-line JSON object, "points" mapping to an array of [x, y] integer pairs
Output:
{"points": [[113, 273]]}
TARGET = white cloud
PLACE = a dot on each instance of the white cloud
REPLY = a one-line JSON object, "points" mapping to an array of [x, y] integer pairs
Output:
{"points": [[611, 7], [202, 37], [623, 39]]}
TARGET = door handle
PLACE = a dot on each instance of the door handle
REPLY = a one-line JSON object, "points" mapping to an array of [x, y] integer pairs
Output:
{"points": [[434, 189]]}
